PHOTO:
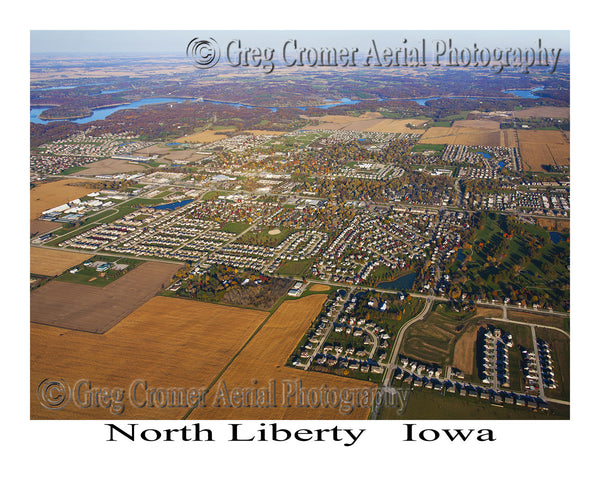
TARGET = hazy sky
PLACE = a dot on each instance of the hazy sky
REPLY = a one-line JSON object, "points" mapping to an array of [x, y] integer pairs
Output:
{"points": [[156, 41]]}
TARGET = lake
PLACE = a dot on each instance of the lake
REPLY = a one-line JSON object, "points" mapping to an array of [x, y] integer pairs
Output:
{"points": [[102, 113], [402, 283], [525, 93], [556, 237]]}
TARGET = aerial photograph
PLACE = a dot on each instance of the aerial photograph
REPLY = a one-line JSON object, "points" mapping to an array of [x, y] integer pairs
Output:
{"points": [[299, 225]]}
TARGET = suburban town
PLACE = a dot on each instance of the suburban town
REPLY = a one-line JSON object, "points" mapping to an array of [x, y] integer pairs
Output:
{"points": [[411, 243]]}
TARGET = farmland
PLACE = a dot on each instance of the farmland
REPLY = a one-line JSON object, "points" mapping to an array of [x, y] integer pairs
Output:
{"points": [[263, 360], [471, 135], [205, 136], [166, 342], [53, 262], [49, 195], [110, 165], [97, 310], [543, 147]]}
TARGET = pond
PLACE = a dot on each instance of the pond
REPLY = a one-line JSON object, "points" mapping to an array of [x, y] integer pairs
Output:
{"points": [[402, 283]]}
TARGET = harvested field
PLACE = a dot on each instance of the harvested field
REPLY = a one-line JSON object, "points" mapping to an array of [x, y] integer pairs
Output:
{"points": [[543, 147], [317, 287], [262, 360], [153, 150], [397, 126], [368, 123], [44, 261], [49, 195], [264, 132], [167, 342], [109, 166], [544, 112], [347, 118], [478, 124], [39, 227], [96, 310], [468, 136], [207, 136]]}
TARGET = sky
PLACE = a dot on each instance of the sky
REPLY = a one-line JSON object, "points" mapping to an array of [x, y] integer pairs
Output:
{"points": [[169, 41]]}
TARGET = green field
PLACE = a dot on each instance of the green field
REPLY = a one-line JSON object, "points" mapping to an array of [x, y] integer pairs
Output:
{"points": [[71, 170], [235, 227], [422, 147], [298, 268], [262, 237], [424, 404], [507, 258]]}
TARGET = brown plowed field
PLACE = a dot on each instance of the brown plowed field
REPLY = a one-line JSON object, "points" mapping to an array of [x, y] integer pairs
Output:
{"points": [[263, 360], [44, 261], [96, 310], [167, 342], [39, 227]]}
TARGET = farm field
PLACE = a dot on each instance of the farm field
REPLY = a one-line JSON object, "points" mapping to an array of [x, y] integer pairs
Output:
{"points": [[49, 195], [472, 136], [97, 310], [264, 132], [39, 227], [543, 147], [544, 112], [206, 136], [166, 342], [366, 123], [263, 360], [44, 261], [109, 166], [478, 124]]}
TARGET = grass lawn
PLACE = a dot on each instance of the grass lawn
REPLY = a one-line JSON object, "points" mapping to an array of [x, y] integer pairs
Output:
{"points": [[235, 227], [298, 268], [424, 404], [89, 275]]}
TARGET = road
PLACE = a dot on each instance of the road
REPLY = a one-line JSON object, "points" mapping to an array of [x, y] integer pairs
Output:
{"points": [[391, 368]]}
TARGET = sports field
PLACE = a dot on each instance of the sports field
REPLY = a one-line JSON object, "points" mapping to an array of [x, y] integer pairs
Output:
{"points": [[167, 342]]}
